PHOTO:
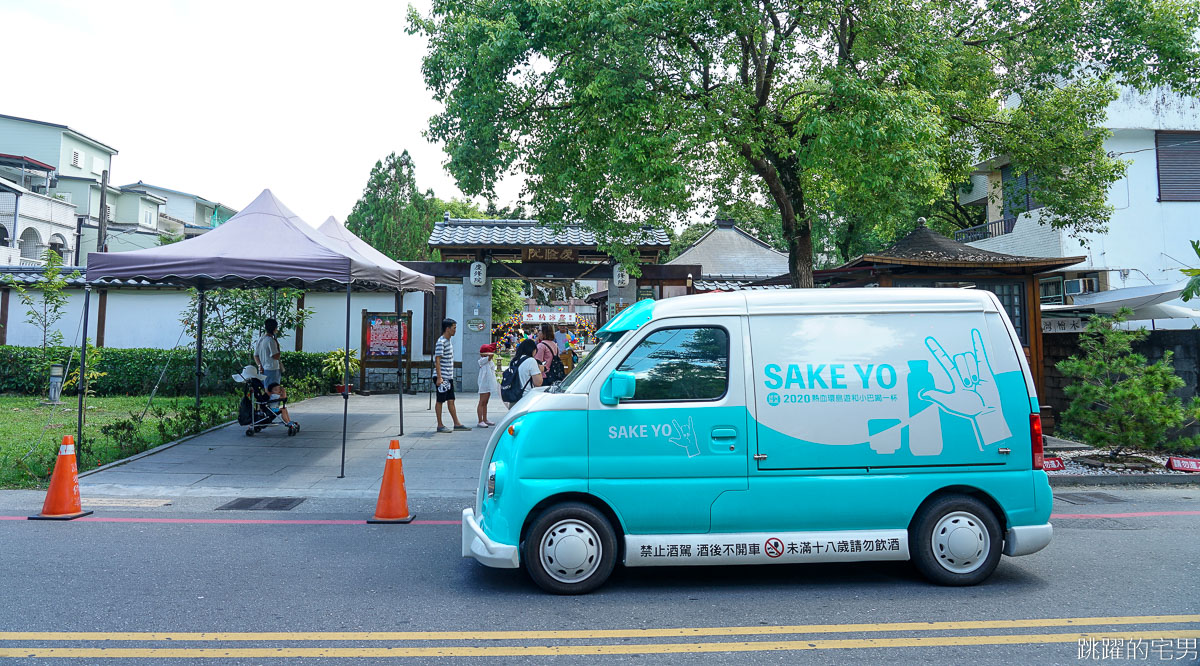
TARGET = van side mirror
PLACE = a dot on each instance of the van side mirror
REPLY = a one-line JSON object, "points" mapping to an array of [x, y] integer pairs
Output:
{"points": [[619, 386]]}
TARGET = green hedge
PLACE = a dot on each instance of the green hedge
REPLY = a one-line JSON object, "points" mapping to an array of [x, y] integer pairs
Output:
{"points": [[135, 371]]}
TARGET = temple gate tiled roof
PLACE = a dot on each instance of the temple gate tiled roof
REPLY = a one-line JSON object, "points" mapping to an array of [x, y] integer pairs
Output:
{"points": [[461, 239]]}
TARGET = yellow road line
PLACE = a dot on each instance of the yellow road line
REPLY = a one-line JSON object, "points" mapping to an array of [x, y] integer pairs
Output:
{"points": [[590, 634], [560, 650]]}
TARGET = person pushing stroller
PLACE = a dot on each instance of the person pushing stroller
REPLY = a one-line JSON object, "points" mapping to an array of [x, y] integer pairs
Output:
{"points": [[262, 403]]}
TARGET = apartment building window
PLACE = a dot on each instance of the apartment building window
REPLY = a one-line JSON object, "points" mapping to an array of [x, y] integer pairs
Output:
{"points": [[1051, 290], [1018, 189], [108, 212], [97, 165], [1178, 165], [76, 159]]}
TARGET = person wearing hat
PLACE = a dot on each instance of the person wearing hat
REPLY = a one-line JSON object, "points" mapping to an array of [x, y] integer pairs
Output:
{"points": [[487, 383]]}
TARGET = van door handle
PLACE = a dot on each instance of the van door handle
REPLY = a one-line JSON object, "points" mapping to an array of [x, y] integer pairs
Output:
{"points": [[724, 433]]}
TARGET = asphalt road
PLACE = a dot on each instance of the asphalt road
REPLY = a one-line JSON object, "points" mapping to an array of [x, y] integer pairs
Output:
{"points": [[267, 592]]}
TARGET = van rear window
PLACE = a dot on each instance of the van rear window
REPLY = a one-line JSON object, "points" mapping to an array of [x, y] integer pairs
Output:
{"points": [[680, 364]]}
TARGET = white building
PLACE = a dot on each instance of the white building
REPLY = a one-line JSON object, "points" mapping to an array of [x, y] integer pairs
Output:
{"points": [[31, 223], [1156, 208], [53, 160]]}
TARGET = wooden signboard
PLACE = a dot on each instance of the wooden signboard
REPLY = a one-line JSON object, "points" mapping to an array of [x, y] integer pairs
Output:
{"points": [[382, 333], [543, 254]]}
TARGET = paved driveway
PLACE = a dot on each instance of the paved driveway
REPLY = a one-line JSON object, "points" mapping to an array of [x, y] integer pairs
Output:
{"points": [[225, 462]]}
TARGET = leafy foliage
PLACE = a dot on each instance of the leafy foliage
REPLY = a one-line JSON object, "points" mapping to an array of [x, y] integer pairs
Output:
{"points": [[45, 305], [333, 365], [506, 299], [1119, 399], [392, 215], [233, 322], [1192, 288], [850, 117], [95, 359], [136, 371]]}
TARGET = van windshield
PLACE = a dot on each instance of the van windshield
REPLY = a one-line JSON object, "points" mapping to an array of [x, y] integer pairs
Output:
{"points": [[598, 352]]}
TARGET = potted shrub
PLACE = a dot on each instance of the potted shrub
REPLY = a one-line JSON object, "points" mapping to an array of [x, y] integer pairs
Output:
{"points": [[334, 367]]}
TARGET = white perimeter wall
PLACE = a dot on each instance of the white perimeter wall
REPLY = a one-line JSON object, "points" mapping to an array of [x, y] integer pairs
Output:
{"points": [[151, 318]]}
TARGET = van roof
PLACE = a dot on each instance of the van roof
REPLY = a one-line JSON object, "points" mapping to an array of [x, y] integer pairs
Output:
{"points": [[826, 301]]}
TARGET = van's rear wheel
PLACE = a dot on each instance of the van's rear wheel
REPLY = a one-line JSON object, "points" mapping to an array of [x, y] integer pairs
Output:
{"points": [[956, 541], [570, 548]]}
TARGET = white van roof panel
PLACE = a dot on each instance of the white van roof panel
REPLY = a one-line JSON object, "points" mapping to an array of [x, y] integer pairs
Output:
{"points": [[828, 301]]}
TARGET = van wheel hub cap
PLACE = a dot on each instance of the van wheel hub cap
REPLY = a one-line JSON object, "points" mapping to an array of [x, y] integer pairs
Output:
{"points": [[960, 542], [570, 551]]}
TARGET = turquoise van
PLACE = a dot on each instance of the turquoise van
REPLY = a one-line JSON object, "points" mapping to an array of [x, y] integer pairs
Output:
{"points": [[770, 427]]}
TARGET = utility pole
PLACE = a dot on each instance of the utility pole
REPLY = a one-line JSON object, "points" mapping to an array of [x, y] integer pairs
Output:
{"points": [[102, 234]]}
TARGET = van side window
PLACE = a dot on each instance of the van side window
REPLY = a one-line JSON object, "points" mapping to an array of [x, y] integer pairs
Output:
{"points": [[680, 364]]}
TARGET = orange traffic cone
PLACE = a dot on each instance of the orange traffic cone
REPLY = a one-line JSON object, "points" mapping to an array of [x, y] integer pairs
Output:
{"points": [[62, 499], [392, 506]]}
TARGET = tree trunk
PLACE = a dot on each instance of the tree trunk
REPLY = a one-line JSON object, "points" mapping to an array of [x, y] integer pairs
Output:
{"points": [[798, 234], [788, 193]]}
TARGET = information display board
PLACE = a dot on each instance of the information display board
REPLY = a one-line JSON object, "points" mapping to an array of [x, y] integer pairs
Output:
{"points": [[386, 342]]}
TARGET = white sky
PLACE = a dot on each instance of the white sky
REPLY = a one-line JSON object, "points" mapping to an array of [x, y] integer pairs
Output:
{"points": [[223, 99]]}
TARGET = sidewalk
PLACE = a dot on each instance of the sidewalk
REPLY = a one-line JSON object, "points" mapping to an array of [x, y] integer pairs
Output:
{"points": [[225, 462]]}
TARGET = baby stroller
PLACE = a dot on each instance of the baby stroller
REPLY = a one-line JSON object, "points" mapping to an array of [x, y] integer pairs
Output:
{"points": [[259, 408]]}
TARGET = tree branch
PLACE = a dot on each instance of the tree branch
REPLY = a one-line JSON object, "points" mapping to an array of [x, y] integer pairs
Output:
{"points": [[1000, 38]]}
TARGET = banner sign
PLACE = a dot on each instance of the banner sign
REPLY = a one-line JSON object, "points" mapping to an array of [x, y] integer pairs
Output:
{"points": [[1063, 325], [566, 318], [544, 254]]}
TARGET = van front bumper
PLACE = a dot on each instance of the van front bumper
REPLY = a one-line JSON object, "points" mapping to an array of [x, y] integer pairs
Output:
{"points": [[478, 545], [1027, 539]]}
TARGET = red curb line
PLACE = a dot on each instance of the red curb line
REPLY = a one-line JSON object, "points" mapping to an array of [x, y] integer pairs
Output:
{"points": [[1142, 514], [234, 521], [248, 521]]}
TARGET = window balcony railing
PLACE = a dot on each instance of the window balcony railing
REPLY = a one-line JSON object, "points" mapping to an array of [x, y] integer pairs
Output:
{"points": [[984, 231], [11, 256]]}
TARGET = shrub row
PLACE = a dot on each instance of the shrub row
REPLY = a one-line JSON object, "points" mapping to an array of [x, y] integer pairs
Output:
{"points": [[135, 371]]}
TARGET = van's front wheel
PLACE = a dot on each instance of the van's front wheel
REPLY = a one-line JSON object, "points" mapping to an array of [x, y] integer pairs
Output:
{"points": [[569, 549], [956, 541]]}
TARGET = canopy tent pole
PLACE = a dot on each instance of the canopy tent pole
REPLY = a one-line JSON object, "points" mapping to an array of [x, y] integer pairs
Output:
{"points": [[399, 359], [200, 302], [87, 297], [346, 383]]}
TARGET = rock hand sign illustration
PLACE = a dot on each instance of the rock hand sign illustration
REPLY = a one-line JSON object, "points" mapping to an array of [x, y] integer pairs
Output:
{"points": [[973, 394], [685, 436]]}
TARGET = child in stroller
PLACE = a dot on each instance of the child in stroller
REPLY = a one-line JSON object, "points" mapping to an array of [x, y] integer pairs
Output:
{"points": [[261, 404]]}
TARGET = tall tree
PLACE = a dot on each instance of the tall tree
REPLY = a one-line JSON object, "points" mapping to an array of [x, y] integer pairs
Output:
{"points": [[623, 111], [392, 214]]}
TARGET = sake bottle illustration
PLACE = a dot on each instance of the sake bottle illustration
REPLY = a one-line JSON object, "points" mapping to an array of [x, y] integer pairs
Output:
{"points": [[924, 418]]}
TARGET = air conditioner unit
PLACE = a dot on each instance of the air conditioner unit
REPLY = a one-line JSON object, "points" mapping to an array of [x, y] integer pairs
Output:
{"points": [[1080, 286]]}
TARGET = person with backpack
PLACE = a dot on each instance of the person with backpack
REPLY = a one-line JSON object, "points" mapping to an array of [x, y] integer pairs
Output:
{"points": [[547, 355], [520, 375]]}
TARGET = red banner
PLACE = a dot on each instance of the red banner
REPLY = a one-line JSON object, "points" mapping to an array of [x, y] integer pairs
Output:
{"points": [[1053, 464], [1183, 464]]}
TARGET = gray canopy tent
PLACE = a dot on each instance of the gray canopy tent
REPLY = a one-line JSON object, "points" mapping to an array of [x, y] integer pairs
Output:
{"points": [[265, 245], [410, 280]]}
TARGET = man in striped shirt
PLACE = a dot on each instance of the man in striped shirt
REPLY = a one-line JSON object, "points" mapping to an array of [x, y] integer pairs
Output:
{"points": [[443, 378]]}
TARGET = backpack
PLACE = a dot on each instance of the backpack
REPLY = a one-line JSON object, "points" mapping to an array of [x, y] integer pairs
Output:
{"points": [[510, 382], [556, 372], [245, 411]]}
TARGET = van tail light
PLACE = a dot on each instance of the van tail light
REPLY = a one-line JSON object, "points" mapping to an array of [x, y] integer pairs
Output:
{"points": [[1035, 434]]}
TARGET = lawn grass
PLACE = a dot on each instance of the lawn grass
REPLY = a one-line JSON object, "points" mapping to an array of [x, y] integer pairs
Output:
{"points": [[31, 432]]}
